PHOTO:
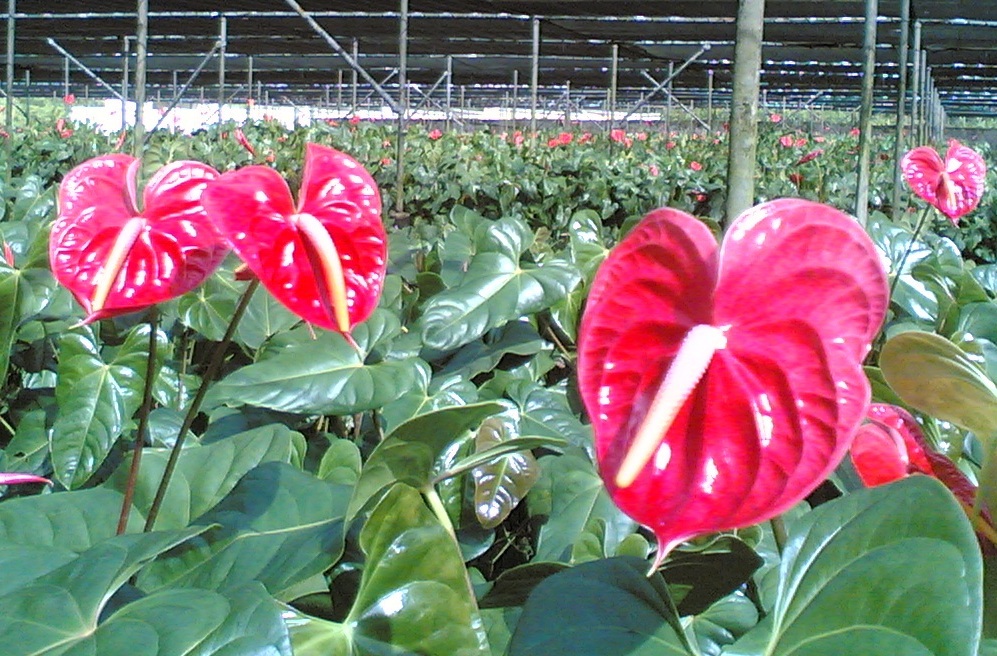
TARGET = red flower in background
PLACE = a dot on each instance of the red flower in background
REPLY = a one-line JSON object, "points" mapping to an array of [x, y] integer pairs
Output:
{"points": [[435, 134], [585, 138], [116, 257], [787, 141], [69, 99], [954, 185], [354, 120], [811, 156], [620, 136], [244, 142], [60, 127], [323, 257], [775, 118], [695, 166], [796, 178], [713, 408]]}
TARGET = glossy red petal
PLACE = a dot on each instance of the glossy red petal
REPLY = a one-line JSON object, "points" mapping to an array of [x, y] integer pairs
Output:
{"points": [[175, 249], [799, 291], [254, 209], [878, 455]]}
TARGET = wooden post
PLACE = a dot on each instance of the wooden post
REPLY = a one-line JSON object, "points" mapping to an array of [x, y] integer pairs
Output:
{"points": [[141, 50], [744, 108], [223, 41], [126, 56], [534, 74], [900, 145], [402, 106], [865, 116]]}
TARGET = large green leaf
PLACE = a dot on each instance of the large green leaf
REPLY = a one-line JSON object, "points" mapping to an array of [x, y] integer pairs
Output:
{"points": [[278, 526], [574, 496], [414, 596], [602, 607], [96, 399], [515, 338], [443, 392], [209, 308], [324, 376], [893, 570], [935, 376], [409, 454], [502, 483], [73, 521], [496, 290], [206, 473], [57, 612], [264, 318], [10, 313], [544, 411]]}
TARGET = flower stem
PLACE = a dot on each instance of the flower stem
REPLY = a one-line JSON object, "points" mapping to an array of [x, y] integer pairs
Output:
{"points": [[143, 423], [436, 505], [195, 405], [779, 533], [910, 247]]}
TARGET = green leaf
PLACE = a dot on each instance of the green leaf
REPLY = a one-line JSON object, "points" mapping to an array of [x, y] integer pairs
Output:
{"points": [[74, 521], [700, 578], [577, 496], [409, 453], [278, 526], [209, 308], [57, 612], [515, 338], [544, 411], [495, 290], [502, 483], [723, 623], [443, 392], [324, 376], [10, 313], [935, 376], [891, 570], [414, 594], [264, 318], [205, 473], [514, 585], [602, 607], [96, 400], [340, 463]]}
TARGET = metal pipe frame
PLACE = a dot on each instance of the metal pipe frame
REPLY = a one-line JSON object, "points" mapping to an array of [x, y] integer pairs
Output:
{"points": [[318, 29], [534, 75], [915, 86], [9, 86], [402, 107], [681, 105], [449, 91], [223, 44], [186, 85], [83, 67], [141, 53], [614, 81], [661, 85], [900, 143], [125, 63]]}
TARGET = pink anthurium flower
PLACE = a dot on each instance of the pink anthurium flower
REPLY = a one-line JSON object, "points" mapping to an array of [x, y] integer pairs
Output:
{"points": [[117, 257], [323, 257], [724, 384], [891, 446], [953, 185]]}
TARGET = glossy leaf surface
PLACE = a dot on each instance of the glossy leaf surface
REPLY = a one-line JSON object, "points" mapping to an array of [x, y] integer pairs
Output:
{"points": [[500, 484], [797, 291], [953, 185], [287, 244], [117, 257]]}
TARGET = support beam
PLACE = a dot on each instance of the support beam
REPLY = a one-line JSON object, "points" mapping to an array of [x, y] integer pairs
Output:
{"points": [[534, 75], [668, 97], [352, 61], [249, 75], [9, 86], [96, 78], [915, 87], [65, 77], [222, 45], [515, 96], [141, 52], [614, 80], [178, 94], [354, 81], [922, 103], [900, 142], [402, 108], [679, 103], [709, 99], [744, 108], [865, 115], [449, 91]]}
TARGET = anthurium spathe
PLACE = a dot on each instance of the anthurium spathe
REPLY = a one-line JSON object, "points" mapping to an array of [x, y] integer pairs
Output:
{"points": [[953, 185], [323, 257], [116, 256], [725, 383]]}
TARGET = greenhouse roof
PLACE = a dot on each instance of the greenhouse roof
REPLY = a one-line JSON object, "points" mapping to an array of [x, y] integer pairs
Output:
{"points": [[811, 47]]}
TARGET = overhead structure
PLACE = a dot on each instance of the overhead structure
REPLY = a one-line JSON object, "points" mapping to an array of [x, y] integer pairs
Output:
{"points": [[810, 47]]}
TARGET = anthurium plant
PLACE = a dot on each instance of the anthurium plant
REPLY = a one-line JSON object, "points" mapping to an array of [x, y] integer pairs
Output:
{"points": [[552, 406]]}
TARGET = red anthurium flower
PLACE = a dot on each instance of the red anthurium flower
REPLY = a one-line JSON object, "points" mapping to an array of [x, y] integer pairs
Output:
{"points": [[240, 136], [787, 141], [323, 257], [811, 156], [116, 257], [435, 134], [954, 185], [724, 384], [15, 478]]}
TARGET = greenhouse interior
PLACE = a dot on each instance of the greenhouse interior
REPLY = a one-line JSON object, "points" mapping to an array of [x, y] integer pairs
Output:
{"points": [[671, 331]]}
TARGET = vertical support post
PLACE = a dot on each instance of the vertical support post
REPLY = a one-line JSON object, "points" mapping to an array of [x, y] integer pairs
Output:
{"points": [[515, 96], [865, 116], [900, 145], [27, 95], [922, 104], [744, 107], [668, 99], [326, 98], [354, 80], [223, 42], [9, 88], [402, 105], [534, 74], [141, 50], [929, 105], [709, 98], [339, 89], [614, 70], [249, 76], [126, 62], [915, 86], [176, 86], [449, 91], [65, 77], [567, 103]]}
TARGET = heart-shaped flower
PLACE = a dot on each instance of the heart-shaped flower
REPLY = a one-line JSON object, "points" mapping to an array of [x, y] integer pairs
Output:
{"points": [[323, 257], [953, 185], [724, 384], [116, 257]]}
